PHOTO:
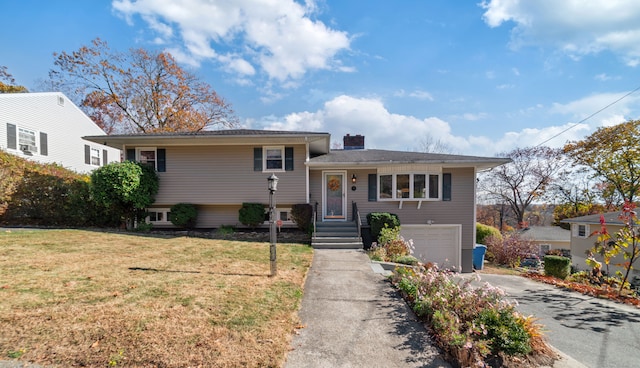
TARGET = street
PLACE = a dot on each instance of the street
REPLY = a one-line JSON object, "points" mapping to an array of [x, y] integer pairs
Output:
{"points": [[597, 333]]}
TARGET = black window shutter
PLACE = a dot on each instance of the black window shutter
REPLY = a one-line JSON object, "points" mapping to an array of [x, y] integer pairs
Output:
{"points": [[87, 154], [44, 147], [257, 159], [446, 187], [162, 159], [288, 158], [12, 138], [131, 154], [373, 187], [105, 159]]}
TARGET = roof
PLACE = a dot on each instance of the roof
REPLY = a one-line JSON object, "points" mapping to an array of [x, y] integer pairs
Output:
{"points": [[318, 141], [547, 233], [379, 157], [609, 218]]}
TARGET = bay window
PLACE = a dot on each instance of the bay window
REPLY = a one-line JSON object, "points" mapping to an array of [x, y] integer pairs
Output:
{"points": [[411, 186]]}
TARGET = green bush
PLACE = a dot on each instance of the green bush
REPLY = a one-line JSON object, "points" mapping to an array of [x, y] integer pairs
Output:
{"points": [[302, 214], [485, 231], [505, 332], [184, 215], [377, 221], [388, 234], [251, 214], [557, 266]]}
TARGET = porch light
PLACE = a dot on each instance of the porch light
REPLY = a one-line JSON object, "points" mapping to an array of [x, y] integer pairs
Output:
{"points": [[354, 178], [273, 183]]}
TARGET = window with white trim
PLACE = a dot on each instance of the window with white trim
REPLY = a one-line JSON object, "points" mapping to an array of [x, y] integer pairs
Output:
{"points": [[580, 230], [159, 216], [95, 157], [147, 155], [27, 140], [411, 186], [273, 158]]}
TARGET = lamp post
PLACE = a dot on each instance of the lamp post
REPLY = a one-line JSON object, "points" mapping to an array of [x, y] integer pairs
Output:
{"points": [[273, 186]]}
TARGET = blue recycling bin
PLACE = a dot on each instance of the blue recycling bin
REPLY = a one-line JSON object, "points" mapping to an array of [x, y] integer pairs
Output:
{"points": [[478, 255]]}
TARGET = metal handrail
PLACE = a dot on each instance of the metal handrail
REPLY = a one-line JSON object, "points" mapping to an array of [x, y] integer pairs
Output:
{"points": [[314, 216], [355, 216]]}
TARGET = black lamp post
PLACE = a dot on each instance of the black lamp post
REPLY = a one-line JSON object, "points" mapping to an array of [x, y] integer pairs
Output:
{"points": [[273, 186]]}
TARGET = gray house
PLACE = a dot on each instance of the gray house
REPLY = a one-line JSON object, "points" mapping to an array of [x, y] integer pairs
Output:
{"points": [[432, 194]]}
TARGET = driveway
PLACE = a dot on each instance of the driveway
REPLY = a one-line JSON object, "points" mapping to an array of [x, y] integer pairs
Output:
{"points": [[597, 333]]}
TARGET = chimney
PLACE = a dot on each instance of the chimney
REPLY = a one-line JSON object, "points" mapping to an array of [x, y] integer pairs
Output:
{"points": [[353, 142]]}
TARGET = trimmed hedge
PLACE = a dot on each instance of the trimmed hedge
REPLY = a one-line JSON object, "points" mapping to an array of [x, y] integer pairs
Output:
{"points": [[46, 195], [184, 215], [485, 231], [251, 214], [377, 221], [557, 266], [302, 214]]}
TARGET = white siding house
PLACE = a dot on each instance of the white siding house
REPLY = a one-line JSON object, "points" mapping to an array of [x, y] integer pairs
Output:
{"points": [[48, 128]]}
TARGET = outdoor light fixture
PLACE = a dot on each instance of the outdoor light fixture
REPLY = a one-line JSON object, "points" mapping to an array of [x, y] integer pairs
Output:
{"points": [[273, 186], [353, 178], [273, 183]]}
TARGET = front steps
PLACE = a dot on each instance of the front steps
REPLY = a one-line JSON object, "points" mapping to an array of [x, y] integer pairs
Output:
{"points": [[336, 235]]}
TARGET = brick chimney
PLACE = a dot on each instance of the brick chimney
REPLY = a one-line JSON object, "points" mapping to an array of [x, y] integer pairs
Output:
{"points": [[353, 142]]}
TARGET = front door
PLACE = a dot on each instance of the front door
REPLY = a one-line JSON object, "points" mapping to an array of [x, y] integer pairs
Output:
{"points": [[334, 194]]}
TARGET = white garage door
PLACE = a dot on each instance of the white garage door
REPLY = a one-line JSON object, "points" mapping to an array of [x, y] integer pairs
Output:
{"points": [[439, 244]]}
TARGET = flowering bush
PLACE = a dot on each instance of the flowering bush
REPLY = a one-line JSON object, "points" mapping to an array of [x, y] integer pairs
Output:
{"points": [[392, 247], [471, 324], [510, 250]]}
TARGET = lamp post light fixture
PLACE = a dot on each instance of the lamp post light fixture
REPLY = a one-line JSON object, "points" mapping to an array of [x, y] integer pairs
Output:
{"points": [[273, 186]]}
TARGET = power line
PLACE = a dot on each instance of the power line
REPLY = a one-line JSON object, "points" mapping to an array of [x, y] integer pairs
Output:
{"points": [[590, 116]]}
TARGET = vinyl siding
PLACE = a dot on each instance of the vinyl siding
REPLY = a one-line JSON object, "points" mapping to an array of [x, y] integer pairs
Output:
{"points": [[64, 125], [460, 210], [224, 175]]}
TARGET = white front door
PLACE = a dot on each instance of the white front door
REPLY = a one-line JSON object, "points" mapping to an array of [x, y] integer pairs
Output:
{"points": [[334, 194]]}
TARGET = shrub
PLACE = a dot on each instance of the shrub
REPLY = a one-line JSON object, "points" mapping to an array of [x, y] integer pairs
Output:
{"points": [[377, 221], [226, 230], [184, 215], [251, 214], [557, 266], [388, 234], [485, 231], [510, 250], [302, 214], [407, 260]]}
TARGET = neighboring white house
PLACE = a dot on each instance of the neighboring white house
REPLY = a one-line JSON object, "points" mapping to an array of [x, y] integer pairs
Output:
{"points": [[48, 128]]}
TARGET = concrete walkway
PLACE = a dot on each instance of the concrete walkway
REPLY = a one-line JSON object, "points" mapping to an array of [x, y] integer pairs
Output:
{"points": [[354, 318]]}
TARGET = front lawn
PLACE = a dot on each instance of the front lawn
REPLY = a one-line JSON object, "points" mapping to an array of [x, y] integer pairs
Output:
{"points": [[76, 298]]}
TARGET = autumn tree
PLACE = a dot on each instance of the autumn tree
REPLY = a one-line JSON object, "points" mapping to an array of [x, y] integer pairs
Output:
{"points": [[139, 91], [577, 195], [524, 180], [613, 153], [8, 83]]}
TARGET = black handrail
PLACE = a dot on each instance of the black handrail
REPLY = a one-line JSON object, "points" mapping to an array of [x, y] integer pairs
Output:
{"points": [[355, 216]]}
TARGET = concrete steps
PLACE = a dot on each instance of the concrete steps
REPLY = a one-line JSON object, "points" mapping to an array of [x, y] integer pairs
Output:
{"points": [[336, 235]]}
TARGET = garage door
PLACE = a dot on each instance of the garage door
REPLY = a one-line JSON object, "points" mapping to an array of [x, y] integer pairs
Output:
{"points": [[439, 244]]}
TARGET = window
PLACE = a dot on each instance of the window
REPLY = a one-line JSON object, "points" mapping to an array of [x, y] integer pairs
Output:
{"points": [[147, 156], [274, 158], [27, 140], [409, 186], [159, 216], [580, 231], [95, 157]]}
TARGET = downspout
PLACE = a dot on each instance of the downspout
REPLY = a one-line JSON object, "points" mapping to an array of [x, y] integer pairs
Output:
{"points": [[308, 192]]}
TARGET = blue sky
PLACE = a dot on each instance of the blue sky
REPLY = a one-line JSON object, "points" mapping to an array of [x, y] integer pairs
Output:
{"points": [[481, 77]]}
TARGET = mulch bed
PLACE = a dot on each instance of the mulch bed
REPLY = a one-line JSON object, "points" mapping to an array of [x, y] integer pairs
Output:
{"points": [[603, 292]]}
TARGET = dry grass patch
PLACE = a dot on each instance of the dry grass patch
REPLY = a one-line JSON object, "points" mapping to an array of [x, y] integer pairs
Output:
{"points": [[74, 298]]}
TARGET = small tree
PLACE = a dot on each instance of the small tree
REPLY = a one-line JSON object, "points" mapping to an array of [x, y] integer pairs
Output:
{"points": [[125, 187], [627, 243]]}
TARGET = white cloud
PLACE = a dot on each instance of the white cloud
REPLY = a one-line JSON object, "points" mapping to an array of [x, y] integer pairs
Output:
{"points": [[615, 106], [278, 37], [576, 27], [418, 94], [386, 130]]}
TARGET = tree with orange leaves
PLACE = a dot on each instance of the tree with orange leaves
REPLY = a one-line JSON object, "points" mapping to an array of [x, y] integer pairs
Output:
{"points": [[138, 92]]}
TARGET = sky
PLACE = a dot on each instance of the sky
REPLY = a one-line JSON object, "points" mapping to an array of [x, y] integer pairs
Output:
{"points": [[478, 77]]}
